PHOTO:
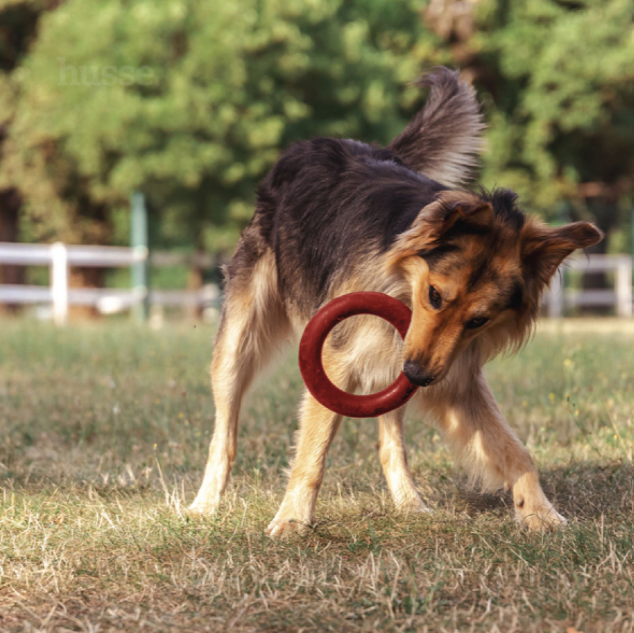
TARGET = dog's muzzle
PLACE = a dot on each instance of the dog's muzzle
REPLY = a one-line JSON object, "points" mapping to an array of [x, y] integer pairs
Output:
{"points": [[417, 374]]}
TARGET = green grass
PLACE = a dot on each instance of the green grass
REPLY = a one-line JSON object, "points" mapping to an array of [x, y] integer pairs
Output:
{"points": [[104, 432]]}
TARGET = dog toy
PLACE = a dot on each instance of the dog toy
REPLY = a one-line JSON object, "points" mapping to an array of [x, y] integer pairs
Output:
{"points": [[310, 351]]}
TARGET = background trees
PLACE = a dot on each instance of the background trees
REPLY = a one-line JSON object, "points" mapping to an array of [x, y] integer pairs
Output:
{"points": [[18, 23], [192, 102], [561, 78]]}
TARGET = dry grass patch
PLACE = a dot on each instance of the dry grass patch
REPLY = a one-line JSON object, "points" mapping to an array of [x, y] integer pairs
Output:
{"points": [[105, 430]]}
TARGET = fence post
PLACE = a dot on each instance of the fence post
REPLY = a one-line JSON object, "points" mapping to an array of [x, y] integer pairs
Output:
{"points": [[59, 282], [139, 242], [623, 283], [556, 295]]}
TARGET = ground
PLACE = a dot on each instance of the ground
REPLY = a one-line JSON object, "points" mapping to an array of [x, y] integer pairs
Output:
{"points": [[104, 433]]}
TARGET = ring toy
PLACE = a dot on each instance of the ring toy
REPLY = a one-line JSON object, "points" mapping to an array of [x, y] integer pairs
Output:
{"points": [[310, 352]]}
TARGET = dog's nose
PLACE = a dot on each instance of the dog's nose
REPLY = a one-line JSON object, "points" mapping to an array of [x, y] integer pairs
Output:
{"points": [[416, 374]]}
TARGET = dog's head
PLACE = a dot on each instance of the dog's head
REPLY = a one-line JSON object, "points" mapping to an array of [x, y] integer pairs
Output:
{"points": [[477, 268]]}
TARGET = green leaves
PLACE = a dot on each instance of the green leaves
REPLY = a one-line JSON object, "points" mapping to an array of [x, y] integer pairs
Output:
{"points": [[564, 83], [192, 102]]}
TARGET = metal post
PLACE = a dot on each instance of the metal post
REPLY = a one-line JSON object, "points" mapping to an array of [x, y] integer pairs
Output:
{"points": [[139, 242], [59, 282]]}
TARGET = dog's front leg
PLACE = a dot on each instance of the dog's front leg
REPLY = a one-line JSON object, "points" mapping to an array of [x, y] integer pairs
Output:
{"points": [[317, 429], [394, 461], [490, 450]]}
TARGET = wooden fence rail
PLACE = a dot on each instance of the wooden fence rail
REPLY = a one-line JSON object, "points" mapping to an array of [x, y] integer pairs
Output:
{"points": [[59, 257], [620, 297]]}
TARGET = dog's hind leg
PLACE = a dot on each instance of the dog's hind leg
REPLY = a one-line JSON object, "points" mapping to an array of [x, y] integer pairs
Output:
{"points": [[393, 458], [253, 323]]}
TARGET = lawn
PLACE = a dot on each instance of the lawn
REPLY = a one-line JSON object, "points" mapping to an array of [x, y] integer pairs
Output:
{"points": [[104, 433]]}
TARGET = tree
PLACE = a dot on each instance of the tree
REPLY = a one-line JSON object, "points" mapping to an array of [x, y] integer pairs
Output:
{"points": [[191, 102], [557, 79], [18, 27]]}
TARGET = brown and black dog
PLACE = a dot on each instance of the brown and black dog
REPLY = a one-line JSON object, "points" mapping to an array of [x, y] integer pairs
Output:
{"points": [[339, 216]]}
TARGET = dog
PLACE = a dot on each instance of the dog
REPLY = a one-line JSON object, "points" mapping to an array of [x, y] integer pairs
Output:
{"points": [[336, 216]]}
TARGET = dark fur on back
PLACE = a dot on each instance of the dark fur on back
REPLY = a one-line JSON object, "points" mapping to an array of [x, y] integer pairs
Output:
{"points": [[326, 203]]}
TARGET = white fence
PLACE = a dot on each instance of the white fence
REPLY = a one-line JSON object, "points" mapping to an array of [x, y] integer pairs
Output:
{"points": [[620, 297], [59, 257]]}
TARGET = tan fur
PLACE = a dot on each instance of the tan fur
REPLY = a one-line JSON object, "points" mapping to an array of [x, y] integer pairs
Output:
{"points": [[393, 458], [484, 443], [253, 325]]}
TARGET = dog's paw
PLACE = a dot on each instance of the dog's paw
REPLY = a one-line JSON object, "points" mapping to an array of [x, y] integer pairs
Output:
{"points": [[541, 518], [412, 506], [202, 508], [285, 526]]}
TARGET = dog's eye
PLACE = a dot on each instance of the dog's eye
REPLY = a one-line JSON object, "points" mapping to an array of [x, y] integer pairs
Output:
{"points": [[434, 298], [474, 324]]}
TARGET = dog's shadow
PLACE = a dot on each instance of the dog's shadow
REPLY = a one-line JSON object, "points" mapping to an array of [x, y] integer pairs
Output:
{"points": [[584, 490], [474, 503]]}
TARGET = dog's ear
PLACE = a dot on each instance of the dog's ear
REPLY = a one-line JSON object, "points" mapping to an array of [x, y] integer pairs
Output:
{"points": [[474, 213], [461, 212], [545, 248]]}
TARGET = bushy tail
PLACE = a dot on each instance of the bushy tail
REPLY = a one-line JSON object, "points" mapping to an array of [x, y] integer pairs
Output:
{"points": [[444, 139]]}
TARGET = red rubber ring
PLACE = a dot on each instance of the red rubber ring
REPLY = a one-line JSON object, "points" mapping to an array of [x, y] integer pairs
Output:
{"points": [[312, 369]]}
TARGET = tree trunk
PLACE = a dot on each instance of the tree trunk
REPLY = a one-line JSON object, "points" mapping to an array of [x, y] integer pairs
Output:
{"points": [[194, 284], [10, 204]]}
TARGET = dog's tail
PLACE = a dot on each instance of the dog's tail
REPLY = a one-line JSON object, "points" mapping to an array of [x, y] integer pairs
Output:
{"points": [[443, 140]]}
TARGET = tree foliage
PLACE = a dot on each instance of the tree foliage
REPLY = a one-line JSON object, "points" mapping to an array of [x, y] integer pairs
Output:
{"points": [[561, 80], [191, 102]]}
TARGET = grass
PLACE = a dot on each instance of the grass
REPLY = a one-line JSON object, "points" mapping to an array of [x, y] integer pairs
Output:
{"points": [[104, 436]]}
